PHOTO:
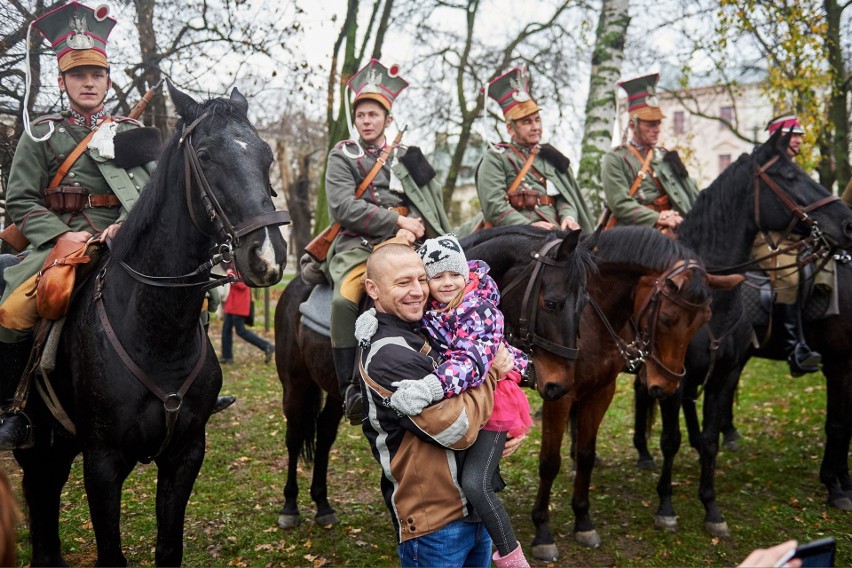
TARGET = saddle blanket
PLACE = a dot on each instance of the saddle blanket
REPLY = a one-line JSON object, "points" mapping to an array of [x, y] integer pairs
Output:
{"points": [[316, 310]]}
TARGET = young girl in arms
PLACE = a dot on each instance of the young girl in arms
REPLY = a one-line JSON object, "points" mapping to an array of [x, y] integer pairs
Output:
{"points": [[464, 324]]}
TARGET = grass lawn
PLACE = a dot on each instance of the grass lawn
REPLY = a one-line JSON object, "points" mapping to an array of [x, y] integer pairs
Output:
{"points": [[768, 491]]}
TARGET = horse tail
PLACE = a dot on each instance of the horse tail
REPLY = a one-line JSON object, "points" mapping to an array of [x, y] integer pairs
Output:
{"points": [[313, 405], [9, 515]]}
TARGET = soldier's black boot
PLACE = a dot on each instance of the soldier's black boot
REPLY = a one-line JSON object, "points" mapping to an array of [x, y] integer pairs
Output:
{"points": [[801, 358], [16, 431], [350, 390]]}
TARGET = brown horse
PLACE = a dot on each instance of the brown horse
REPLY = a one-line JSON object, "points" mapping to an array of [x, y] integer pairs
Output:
{"points": [[8, 522], [645, 281], [546, 315]]}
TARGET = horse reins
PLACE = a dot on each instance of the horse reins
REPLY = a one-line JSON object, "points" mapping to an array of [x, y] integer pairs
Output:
{"points": [[642, 347], [229, 236], [527, 335]]}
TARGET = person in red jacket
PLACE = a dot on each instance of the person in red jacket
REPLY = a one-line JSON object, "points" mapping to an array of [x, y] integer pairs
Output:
{"points": [[237, 308]]}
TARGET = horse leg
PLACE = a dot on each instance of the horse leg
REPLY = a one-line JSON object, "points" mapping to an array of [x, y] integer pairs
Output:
{"points": [[670, 439], [643, 406], [300, 411], [553, 423], [105, 470], [714, 522], [46, 469], [176, 475], [589, 413], [834, 470], [327, 425], [690, 416]]}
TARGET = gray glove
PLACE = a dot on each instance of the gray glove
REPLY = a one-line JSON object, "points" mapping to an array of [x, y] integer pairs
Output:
{"points": [[411, 397]]}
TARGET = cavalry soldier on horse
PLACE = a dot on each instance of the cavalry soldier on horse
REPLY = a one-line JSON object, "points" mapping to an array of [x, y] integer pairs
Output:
{"points": [[376, 189], [776, 252], [525, 182], [645, 184], [75, 174]]}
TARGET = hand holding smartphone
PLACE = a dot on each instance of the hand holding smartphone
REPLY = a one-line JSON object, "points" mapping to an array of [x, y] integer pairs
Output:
{"points": [[814, 554]]}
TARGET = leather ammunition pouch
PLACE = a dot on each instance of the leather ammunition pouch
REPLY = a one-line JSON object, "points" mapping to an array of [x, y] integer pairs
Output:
{"points": [[66, 198], [527, 199], [73, 199]]}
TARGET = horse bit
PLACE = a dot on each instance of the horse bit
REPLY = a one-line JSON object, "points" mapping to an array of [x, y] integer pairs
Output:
{"points": [[229, 237]]}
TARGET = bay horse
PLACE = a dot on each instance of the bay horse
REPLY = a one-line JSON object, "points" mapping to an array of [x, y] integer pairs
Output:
{"points": [[761, 191], [306, 371], [647, 297], [135, 371]]}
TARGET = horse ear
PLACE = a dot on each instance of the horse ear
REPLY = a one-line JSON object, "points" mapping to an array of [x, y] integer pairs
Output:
{"points": [[725, 281], [185, 105], [569, 243], [770, 147], [239, 101]]}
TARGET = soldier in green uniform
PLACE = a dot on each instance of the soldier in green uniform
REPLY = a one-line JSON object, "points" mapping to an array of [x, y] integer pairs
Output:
{"points": [[100, 186], [403, 199], [786, 281], [645, 184], [545, 192]]}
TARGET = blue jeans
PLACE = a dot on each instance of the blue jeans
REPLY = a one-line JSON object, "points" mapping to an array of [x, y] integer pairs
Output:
{"points": [[238, 322], [6, 261], [458, 544]]}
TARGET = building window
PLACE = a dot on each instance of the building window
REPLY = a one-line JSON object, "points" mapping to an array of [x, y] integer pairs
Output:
{"points": [[679, 125], [724, 162], [727, 115]]}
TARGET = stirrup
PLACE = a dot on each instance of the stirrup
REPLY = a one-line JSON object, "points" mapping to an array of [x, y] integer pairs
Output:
{"points": [[16, 431]]}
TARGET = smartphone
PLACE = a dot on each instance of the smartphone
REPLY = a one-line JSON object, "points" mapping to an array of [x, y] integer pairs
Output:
{"points": [[814, 554]]}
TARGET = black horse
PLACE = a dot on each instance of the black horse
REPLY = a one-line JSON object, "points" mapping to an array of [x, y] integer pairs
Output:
{"points": [[764, 190], [136, 372], [305, 366]]}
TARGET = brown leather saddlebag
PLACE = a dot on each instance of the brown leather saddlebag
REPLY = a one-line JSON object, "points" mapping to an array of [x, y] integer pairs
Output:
{"points": [[55, 280]]}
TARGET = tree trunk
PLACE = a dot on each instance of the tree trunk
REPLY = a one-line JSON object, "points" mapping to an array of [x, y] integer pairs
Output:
{"points": [[838, 114], [601, 105], [155, 114], [298, 202]]}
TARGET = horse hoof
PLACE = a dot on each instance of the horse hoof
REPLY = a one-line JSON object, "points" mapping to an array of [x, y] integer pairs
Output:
{"points": [[545, 552], [327, 519], [646, 464], [666, 523], [732, 446], [720, 530], [843, 503], [588, 538], [286, 521]]}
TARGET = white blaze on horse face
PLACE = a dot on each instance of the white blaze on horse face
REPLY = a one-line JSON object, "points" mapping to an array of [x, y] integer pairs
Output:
{"points": [[267, 252], [242, 144]]}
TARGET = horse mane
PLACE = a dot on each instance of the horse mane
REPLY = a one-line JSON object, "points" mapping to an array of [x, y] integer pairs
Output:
{"points": [[647, 248], [506, 247], [168, 177]]}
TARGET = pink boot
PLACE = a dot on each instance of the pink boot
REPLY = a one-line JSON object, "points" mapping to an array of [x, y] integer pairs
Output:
{"points": [[514, 559]]}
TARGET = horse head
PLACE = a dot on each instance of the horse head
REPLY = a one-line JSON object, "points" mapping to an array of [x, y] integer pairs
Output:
{"points": [[787, 199], [228, 192], [668, 309], [542, 276]]}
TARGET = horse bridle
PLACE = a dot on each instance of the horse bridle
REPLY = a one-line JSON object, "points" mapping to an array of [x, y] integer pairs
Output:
{"points": [[229, 237], [527, 336], [641, 348]]}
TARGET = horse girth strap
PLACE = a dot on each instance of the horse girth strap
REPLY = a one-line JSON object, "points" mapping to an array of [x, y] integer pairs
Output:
{"points": [[172, 402]]}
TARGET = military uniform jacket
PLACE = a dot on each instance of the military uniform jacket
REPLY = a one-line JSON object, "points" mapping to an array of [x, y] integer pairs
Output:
{"points": [[499, 168], [420, 479], [369, 218], [33, 167], [618, 170]]}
